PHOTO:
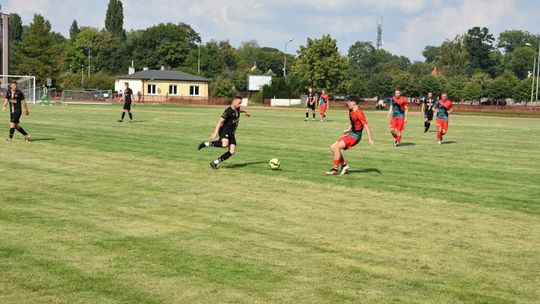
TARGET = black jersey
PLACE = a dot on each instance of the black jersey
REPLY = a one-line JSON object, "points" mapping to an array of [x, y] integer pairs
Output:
{"points": [[15, 99], [127, 94], [232, 117], [428, 104]]}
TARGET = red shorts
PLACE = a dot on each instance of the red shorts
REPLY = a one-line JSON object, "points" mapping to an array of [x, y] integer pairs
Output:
{"points": [[349, 141], [397, 123], [442, 124], [323, 108]]}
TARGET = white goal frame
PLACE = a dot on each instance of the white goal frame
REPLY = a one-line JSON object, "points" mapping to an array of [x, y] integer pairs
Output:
{"points": [[5, 83]]}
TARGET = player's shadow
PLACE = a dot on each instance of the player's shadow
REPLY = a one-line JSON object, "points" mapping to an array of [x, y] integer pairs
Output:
{"points": [[449, 142], [405, 144], [42, 138], [367, 170], [245, 164]]}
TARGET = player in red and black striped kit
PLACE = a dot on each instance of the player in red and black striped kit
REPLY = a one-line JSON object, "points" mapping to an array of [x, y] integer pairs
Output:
{"points": [[353, 137], [16, 101]]}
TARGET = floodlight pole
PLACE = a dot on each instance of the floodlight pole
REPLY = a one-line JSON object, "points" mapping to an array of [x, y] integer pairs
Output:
{"points": [[533, 75], [285, 58], [5, 47], [537, 71], [199, 60]]}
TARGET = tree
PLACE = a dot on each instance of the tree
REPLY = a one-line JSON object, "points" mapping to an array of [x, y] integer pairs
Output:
{"points": [[15, 28], [320, 65], [358, 54], [453, 59], [114, 19], [520, 61], [163, 44], [454, 88], [431, 53], [223, 87], [503, 86], [472, 91], [74, 30], [479, 45], [279, 88], [380, 85], [40, 51], [513, 39], [431, 83], [419, 68]]}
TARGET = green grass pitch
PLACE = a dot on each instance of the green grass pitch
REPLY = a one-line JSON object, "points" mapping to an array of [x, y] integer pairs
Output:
{"points": [[94, 211]]}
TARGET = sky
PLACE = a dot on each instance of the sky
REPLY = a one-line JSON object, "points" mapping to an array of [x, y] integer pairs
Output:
{"points": [[408, 25]]}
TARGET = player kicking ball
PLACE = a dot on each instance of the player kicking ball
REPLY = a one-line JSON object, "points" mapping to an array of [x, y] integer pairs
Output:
{"points": [[353, 137], [226, 129], [443, 108]]}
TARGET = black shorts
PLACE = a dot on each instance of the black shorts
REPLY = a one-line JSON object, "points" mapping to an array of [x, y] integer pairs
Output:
{"points": [[310, 106], [229, 136], [428, 115], [15, 117], [127, 105]]}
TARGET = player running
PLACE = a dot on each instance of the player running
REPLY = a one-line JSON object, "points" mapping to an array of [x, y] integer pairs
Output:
{"points": [[443, 108], [427, 110], [226, 129], [311, 103], [127, 98], [324, 104], [16, 101], [399, 109], [354, 135]]}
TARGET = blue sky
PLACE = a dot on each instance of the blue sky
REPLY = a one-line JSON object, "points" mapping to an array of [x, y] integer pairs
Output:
{"points": [[409, 25]]}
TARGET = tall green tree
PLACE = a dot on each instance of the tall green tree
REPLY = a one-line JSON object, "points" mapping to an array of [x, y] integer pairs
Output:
{"points": [[479, 45], [431, 53], [453, 59], [320, 65], [114, 18], [15, 28], [40, 52], [162, 44], [513, 39], [520, 61], [74, 30]]}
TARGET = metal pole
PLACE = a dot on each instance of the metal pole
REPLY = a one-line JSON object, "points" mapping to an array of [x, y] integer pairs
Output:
{"points": [[82, 75], [199, 61], [89, 62], [537, 71], [285, 61], [5, 48], [533, 75]]}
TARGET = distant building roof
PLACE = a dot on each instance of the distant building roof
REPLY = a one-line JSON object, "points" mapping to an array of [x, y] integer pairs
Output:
{"points": [[163, 75]]}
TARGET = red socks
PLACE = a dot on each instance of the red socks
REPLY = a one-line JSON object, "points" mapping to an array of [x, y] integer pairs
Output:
{"points": [[336, 163], [439, 136], [398, 138]]}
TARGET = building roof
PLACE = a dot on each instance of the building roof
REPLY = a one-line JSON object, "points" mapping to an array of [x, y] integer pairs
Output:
{"points": [[164, 75]]}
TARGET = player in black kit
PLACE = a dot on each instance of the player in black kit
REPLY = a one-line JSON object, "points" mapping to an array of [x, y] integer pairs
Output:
{"points": [[226, 129], [311, 103], [16, 101], [128, 94], [427, 110]]}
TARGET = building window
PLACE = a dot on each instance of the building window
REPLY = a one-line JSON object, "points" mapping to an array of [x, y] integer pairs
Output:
{"points": [[173, 89], [151, 89], [194, 91]]}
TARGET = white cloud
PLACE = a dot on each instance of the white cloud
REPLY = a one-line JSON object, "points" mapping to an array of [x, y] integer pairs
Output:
{"points": [[448, 21]]}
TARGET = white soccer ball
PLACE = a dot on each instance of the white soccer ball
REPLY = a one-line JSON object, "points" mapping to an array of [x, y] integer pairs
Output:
{"points": [[274, 163]]}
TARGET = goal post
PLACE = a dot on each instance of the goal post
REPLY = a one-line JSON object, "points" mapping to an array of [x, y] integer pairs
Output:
{"points": [[25, 83]]}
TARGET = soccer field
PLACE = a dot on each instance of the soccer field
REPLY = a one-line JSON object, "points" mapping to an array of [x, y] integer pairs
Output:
{"points": [[95, 211]]}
